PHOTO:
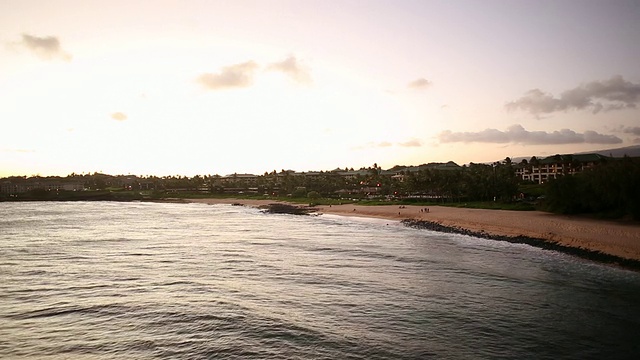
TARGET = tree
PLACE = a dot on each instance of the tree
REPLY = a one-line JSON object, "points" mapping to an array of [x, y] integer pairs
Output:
{"points": [[609, 189], [534, 161], [299, 192]]}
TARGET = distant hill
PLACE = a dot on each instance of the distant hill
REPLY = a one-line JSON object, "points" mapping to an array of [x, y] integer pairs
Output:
{"points": [[632, 151]]}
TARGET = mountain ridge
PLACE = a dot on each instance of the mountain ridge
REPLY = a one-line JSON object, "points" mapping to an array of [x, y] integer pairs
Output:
{"points": [[631, 151]]}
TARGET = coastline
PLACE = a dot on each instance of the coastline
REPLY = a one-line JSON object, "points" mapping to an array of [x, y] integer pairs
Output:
{"points": [[599, 240]]}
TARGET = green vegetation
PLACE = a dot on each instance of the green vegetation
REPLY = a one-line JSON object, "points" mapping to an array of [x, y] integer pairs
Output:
{"points": [[313, 195], [427, 184], [62, 195], [532, 190], [610, 190], [490, 205]]}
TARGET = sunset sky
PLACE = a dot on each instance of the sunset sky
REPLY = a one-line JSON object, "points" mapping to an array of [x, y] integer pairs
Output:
{"points": [[217, 87]]}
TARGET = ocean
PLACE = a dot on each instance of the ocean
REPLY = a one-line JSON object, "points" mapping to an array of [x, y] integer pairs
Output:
{"points": [[107, 280]]}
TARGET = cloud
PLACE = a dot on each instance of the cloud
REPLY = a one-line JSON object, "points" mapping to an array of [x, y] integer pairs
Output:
{"points": [[292, 67], [608, 95], [632, 130], [517, 134], [119, 116], [420, 83], [233, 76], [46, 48], [411, 143], [386, 144]]}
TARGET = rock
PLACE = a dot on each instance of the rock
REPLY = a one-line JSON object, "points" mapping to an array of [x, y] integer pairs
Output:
{"points": [[521, 239], [279, 208]]}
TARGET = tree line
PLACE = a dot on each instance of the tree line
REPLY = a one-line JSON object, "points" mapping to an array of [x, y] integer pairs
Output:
{"points": [[611, 189]]}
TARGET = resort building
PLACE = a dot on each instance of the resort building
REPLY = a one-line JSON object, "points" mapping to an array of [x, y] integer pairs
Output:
{"points": [[540, 171], [11, 187], [247, 179]]}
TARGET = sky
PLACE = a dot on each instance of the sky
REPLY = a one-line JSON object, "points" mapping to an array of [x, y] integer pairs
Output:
{"points": [[220, 87]]}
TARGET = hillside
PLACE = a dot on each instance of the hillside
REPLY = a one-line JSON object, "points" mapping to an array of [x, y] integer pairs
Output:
{"points": [[632, 151]]}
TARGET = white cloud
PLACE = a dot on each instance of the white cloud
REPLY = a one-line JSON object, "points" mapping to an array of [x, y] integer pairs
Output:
{"points": [[119, 116], [608, 95], [46, 48], [411, 143], [292, 67], [517, 134], [233, 76], [420, 83]]}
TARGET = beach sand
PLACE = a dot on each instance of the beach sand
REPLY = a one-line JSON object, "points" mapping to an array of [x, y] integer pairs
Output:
{"points": [[609, 237]]}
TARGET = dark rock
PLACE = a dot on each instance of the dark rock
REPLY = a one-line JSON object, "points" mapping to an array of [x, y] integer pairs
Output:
{"points": [[278, 208], [596, 256]]}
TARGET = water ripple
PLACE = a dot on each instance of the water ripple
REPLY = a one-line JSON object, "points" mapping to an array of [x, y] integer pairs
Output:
{"points": [[142, 280]]}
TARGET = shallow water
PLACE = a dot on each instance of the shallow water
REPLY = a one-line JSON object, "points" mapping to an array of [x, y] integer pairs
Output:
{"points": [[146, 280]]}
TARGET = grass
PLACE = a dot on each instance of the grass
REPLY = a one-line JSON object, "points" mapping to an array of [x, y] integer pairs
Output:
{"points": [[490, 205], [123, 195]]}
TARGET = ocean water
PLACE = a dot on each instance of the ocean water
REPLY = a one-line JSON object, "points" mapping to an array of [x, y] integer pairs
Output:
{"points": [[108, 280]]}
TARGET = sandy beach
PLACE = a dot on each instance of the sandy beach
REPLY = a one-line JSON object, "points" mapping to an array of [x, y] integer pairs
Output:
{"points": [[609, 237]]}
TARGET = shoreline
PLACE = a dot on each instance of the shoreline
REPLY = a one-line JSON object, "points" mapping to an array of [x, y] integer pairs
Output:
{"points": [[598, 240], [596, 256]]}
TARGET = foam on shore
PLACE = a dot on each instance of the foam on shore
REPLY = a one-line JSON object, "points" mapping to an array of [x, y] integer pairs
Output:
{"points": [[598, 240]]}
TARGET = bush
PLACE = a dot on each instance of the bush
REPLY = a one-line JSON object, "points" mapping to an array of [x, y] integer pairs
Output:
{"points": [[313, 195]]}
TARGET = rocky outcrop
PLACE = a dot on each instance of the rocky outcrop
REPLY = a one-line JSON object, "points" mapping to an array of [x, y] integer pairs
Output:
{"points": [[279, 208], [521, 239]]}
